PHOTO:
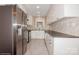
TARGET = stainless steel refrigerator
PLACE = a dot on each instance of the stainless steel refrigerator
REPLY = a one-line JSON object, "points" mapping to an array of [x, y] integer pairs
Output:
{"points": [[12, 29]]}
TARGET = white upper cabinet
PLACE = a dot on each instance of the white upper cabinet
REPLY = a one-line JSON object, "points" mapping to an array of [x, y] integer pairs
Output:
{"points": [[66, 10], [58, 11], [71, 10]]}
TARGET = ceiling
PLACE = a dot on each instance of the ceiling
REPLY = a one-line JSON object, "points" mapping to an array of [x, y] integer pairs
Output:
{"points": [[37, 9]]}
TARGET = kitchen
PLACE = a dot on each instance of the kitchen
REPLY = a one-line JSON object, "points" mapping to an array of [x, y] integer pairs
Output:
{"points": [[39, 29]]}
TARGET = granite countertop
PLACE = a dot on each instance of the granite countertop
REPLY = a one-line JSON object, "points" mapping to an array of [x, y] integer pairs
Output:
{"points": [[57, 34]]}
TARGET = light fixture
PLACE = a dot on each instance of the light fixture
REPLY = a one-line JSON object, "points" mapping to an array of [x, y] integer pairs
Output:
{"points": [[37, 6]]}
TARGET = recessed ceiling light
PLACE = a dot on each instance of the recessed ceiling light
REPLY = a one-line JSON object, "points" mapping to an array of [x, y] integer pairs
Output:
{"points": [[37, 6]]}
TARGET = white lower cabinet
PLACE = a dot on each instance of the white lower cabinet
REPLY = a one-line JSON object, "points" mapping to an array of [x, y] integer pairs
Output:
{"points": [[49, 43], [66, 46]]}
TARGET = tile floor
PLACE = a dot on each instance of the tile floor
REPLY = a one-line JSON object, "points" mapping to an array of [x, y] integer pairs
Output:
{"points": [[36, 47]]}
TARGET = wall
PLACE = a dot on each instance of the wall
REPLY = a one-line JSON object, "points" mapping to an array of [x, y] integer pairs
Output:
{"points": [[67, 26], [39, 19], [66, 46], [30, 20]]}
